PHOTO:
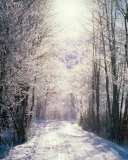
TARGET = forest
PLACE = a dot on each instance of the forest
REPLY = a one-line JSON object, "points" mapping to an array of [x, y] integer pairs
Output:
{"points": [[61, 63]]}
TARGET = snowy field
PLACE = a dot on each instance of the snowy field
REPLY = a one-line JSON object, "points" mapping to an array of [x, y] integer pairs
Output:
{"points": [[61, 140]]}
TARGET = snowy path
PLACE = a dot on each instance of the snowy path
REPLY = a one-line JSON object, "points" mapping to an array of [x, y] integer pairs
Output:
{"points": [[66, 141]]}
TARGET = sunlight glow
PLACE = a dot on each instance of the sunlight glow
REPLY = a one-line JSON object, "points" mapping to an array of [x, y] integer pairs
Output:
{"points": [[68, 10], [69, 16]]}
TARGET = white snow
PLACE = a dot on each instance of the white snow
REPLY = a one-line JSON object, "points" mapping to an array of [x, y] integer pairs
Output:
{"points": [[62, 140]]}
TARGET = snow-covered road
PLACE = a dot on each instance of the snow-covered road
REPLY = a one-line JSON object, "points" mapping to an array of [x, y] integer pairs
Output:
{"points": [[61, 140]]}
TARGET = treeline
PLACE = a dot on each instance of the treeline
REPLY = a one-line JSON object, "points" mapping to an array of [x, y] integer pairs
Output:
{"points": [[107, 99], [24, 29]]}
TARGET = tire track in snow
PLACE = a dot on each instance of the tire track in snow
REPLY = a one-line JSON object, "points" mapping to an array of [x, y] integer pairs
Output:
{"points": [[71, 152]]}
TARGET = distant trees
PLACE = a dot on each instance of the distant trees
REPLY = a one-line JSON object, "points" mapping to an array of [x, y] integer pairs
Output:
{"points": [[52, 95]]}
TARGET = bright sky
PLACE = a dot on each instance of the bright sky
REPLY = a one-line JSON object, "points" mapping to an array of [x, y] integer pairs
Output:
{"points": [[70, 13]]}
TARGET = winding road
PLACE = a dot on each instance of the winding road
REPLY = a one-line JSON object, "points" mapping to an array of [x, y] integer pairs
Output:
{"points": [[61, 140]]}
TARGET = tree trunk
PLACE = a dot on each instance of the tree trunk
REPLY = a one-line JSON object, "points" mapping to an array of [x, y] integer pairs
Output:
{"points": [[33, 103], [106, 71], [3, 57], [98, 96]]}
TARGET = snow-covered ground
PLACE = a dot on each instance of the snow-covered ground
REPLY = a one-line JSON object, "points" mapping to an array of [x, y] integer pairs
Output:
{"points": [[61, 140]]}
